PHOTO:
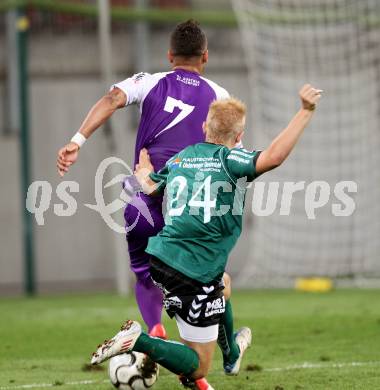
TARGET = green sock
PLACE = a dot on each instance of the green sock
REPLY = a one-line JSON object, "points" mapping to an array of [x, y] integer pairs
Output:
{"points": [[174, 356], [226, 337]]}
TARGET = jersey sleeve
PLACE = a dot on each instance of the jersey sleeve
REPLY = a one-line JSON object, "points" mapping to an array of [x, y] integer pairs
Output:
{"points": [[138, 86], [221, 93], [160, 178], [242, 163], [134, 87]]}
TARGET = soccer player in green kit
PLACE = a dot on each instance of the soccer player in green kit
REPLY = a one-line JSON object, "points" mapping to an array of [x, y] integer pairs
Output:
{"points": [[205, 189]]}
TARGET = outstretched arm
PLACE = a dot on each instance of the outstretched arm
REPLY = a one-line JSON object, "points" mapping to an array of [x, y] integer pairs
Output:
{"points": [[99, 113], [284, 143]]}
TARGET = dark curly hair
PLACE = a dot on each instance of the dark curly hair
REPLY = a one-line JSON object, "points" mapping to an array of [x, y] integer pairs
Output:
{"points": [[188, 40]]}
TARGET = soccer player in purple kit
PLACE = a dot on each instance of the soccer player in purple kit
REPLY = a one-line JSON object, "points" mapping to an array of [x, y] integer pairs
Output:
{"points": [[173, 106]]}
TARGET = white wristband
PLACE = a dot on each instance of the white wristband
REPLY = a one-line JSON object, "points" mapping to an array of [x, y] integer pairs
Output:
{"points": [[79, 139]]}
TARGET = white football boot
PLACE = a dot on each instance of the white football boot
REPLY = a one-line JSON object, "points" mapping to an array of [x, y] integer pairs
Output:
{"points": [[122, 342], [243, 338]]}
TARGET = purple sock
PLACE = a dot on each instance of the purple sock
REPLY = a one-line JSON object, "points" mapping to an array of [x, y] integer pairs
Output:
{"points": [[149, 300]]}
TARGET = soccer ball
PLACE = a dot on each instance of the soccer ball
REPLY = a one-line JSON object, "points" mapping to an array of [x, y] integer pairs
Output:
{"points": [[131, 371]]}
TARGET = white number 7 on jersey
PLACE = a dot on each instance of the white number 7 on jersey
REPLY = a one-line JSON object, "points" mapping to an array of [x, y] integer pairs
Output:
{"points": [[170, 105]]}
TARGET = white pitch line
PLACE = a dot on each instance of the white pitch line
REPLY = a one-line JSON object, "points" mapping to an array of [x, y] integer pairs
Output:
{"points": [[307, 365], [42, 385], [302, 366]]}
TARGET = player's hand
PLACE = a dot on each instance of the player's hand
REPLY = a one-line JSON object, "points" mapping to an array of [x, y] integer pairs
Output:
{"points": [[142, 171], [67, 157], [144, 161], [310, 97]]}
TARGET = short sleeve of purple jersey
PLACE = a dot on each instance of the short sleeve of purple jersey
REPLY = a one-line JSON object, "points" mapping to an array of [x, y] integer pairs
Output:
{"points": [[137, 86]]}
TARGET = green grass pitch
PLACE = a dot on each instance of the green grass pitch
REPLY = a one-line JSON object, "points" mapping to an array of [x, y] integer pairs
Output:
{"points": [[301, 341]]}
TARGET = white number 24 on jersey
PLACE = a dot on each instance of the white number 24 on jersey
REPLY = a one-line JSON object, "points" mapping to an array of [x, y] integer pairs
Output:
{"points": [[178, 196], [170, 105]]}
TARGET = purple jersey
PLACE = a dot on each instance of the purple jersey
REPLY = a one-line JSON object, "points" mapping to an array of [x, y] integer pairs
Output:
{"points": [[173, 106]]}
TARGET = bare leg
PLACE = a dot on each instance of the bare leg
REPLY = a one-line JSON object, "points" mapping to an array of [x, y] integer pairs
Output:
{"points": [[205, 353]]}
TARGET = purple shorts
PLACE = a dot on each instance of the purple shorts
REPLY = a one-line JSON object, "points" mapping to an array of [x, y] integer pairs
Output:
{"points": [[143, 219]]}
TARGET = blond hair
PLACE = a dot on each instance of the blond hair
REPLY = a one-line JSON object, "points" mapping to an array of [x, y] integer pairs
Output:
{"points": [[225, 119]]}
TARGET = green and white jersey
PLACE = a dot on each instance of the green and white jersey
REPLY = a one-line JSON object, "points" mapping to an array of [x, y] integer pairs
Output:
{"points": [[205, 186]]}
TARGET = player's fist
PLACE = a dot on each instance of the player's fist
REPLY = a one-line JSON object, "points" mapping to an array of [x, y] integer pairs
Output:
{"points": [[142, 171], [310, 96], [66, 157], [144, 161]]}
